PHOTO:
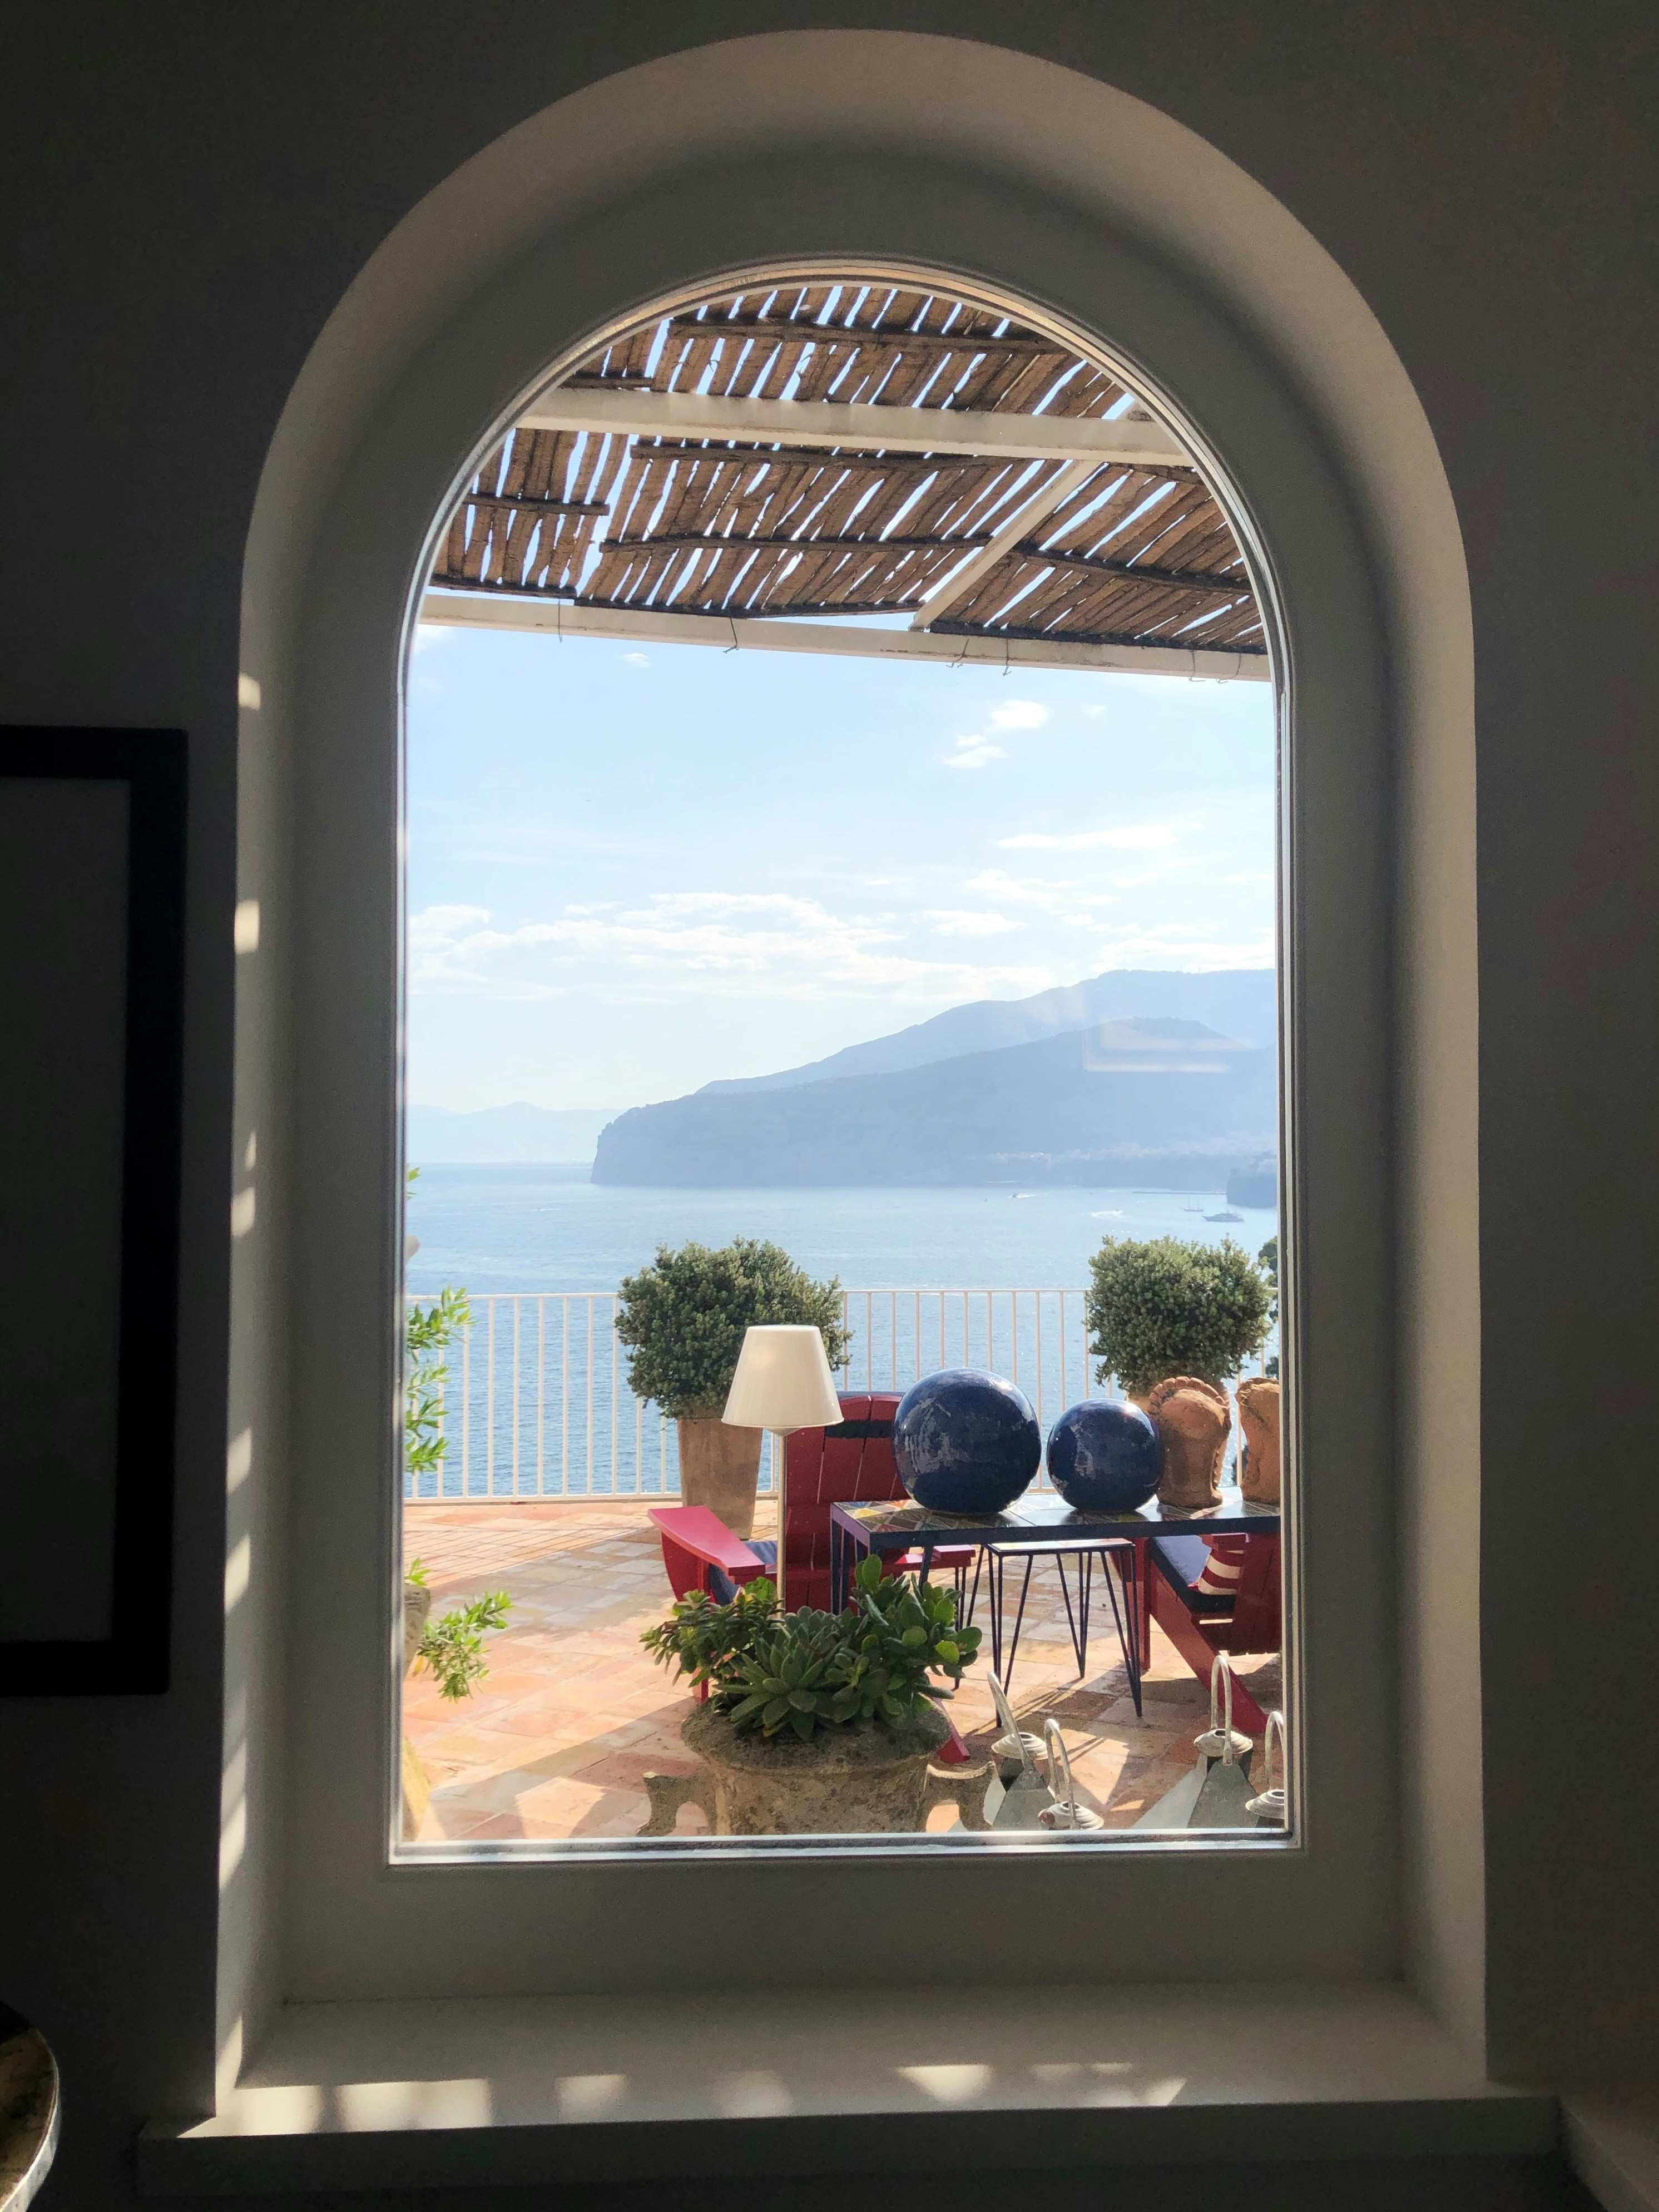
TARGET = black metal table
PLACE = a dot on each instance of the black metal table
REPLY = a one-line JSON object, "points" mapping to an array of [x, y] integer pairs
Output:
{"points": [[1037, 1522]]}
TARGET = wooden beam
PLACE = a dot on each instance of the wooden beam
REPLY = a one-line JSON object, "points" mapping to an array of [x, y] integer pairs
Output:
{"points": [[1130, 639], [965, 432], [531, 505], [686, 540], [552, 617], [828, 334], [1139, 572], [961, 588]]}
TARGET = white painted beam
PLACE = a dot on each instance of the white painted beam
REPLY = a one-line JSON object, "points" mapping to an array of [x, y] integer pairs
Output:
{"points": [[961, 586], [859, 426], [507, 611]]}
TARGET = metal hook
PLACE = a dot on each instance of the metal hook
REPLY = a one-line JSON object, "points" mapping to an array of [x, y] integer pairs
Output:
{"points": [[1271, 1807], [1224, 1742], [1065, 1815]]}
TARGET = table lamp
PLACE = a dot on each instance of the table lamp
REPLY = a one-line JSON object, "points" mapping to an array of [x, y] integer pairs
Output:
{"points": [[782, 1384]]}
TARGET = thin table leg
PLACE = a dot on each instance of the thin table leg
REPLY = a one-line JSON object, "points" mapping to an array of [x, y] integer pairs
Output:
{"points": [[1127, 1639], [1078, 1648], [973, 1594], [1024, 1590]]}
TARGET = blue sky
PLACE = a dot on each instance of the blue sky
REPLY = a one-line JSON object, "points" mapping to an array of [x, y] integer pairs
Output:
{"points": [[632, 871]]}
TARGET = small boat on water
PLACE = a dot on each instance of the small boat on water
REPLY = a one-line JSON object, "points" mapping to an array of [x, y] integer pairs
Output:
{"points": [[1223, 1216]]}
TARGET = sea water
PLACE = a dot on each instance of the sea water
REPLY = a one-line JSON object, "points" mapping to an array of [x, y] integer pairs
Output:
{"points": [[537, 1391], [537, 1228]]}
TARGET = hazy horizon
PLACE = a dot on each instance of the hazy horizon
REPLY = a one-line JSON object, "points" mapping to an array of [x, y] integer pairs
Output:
{"points": [[631, 873]]}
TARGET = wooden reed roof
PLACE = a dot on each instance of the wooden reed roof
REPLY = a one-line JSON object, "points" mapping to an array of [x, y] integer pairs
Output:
{"points": [[1101, 553]]}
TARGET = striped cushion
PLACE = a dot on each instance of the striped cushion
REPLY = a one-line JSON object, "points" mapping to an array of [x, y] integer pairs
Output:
{"points": [[1223, 1567]]}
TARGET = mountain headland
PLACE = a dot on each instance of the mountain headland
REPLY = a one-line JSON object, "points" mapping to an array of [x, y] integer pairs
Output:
{"points": [[1116, 1081]]}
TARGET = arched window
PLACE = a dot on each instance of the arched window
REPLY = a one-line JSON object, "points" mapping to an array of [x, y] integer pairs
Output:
{"points": [[402, 408], [837, 515]]}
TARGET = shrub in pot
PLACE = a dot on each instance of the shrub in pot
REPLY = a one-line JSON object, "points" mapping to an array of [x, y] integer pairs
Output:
{"points": [[1168, 1308], [1173, 1321], [816, 1723], [683, 1319]]}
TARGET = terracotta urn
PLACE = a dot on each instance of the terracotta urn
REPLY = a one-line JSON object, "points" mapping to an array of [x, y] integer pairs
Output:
{"points": [[841, 1782], [719, 1467], [1194, 1420], [1258, 1416]]}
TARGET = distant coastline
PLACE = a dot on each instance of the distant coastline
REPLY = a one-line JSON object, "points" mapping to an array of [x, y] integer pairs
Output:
{"points": [[1077, 1088]]}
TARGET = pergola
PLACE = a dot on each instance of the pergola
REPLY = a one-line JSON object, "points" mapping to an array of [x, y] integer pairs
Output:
{"points": [[783, 466]]}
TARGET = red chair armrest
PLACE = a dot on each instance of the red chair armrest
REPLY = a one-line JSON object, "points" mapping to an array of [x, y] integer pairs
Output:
{"points": [[694, 1529]]}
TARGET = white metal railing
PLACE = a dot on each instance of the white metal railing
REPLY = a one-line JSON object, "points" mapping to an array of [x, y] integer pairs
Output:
{"points": [[537, 1403]]}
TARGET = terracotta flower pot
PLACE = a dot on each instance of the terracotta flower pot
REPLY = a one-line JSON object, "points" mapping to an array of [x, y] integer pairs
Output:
{"points": [[1258, 1416], [844, 1782], [1193, 1418], [719, 1467]]}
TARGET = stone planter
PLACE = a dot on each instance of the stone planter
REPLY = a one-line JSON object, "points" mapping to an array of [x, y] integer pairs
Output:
{"points": [[1258, 1416], [417, 1611], [417, 1788], [1195, 1419], [845, 1782], [719, 1467]]}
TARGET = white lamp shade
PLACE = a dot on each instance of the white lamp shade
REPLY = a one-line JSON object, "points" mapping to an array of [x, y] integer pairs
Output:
{"points": [[783, 1381]]}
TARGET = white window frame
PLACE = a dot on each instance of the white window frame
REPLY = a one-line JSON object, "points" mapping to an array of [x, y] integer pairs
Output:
{"points": [[314, 1676]]}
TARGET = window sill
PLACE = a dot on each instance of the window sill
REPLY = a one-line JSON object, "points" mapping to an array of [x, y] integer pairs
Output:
{"points": [[1611, 2138], [500, 2091]]}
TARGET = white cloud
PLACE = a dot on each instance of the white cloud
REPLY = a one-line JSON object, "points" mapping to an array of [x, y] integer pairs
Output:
{"points": [[637, 659], [973, 752], [441, 924], [1183, 944], [713, 944], [1137, 837], [1019, 714], [428, 634], [1064, 904], [969, 921]]}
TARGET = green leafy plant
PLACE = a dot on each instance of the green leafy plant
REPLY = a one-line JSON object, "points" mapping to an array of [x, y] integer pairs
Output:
{"points": [[1167, 1307], [705, 1638], [809, 1671], [684, 1318], [428, 1331], [1268, 1260], [452, 1649]]}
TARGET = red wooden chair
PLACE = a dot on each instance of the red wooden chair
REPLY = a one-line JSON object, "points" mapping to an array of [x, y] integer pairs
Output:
{"points": [[1201, 1622], [850, 1463]]}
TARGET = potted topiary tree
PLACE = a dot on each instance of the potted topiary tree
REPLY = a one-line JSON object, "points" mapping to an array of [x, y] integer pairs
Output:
{"points": [[817, 1723], [684, 1320], [1167, 1307], [1173, 1321]]}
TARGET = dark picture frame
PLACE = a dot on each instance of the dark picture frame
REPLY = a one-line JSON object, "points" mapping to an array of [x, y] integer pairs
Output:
{"points": [[141, 1223]]}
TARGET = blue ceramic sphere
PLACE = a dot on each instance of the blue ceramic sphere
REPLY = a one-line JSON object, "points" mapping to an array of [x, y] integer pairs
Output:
{"points": [[1104, 1457], [966, 1442]]}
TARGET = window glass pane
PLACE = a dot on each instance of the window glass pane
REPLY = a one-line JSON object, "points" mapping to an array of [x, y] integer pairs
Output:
{"points": [[832, 904]]}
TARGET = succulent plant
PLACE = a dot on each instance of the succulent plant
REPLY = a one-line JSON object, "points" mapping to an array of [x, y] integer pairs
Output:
{"points": [[805, 1671]]}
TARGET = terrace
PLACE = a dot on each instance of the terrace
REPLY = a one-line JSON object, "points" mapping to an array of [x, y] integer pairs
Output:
{"points": [[544, 1492]]}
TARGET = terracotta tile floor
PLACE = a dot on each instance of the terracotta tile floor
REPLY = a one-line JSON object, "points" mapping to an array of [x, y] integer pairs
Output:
{"points": [[555, 1738]]}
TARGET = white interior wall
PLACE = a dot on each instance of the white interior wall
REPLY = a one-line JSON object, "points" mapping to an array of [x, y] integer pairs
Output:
{"points": [[192, 192]]}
